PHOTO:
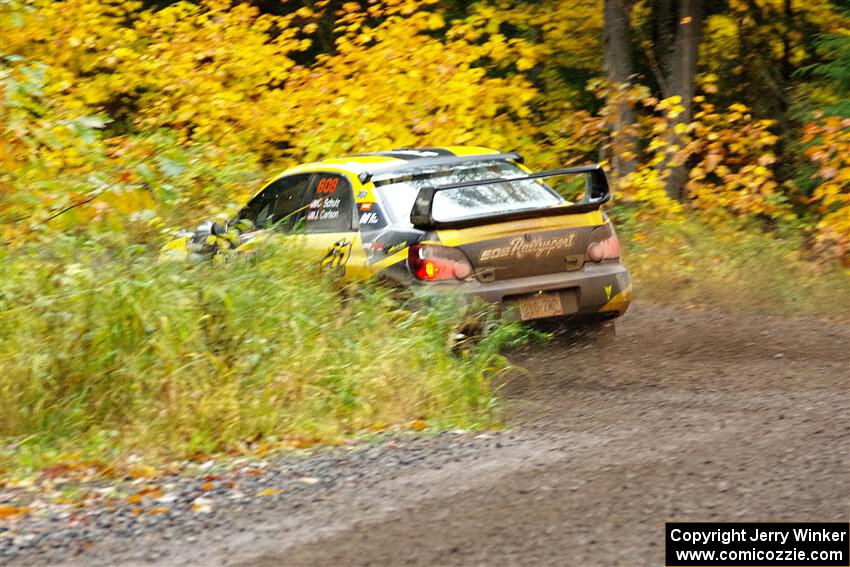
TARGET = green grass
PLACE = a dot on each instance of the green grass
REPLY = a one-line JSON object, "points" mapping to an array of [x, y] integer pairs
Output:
{"points": [[106, 352], [734, 267]]}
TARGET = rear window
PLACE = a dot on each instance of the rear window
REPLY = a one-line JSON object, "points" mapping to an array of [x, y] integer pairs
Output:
{"points": [[467, 202]]}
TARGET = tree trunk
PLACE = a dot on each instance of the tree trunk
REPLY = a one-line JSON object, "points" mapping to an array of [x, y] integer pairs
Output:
{"points": [[677, 44], [618, 63]]}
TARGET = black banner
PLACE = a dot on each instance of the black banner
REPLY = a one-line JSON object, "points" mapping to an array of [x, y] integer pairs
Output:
{"points": [[767, 544]]}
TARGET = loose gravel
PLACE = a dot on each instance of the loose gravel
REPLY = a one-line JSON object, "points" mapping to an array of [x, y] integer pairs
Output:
{"points": [[185, 509]]}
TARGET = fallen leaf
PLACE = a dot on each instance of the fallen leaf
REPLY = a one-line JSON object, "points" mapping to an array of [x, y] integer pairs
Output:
{"points": [[151, 492], [207, 486], [137, 511], [7, 511], [269, 492], [263, 449], [158, 510], [56, 471], [302, 443], [135, 499], [418, 425], [202, 505], [141, 471]]}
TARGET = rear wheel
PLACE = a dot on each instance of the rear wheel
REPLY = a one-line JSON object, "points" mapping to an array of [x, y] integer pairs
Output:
{"points": [[468, 332]]}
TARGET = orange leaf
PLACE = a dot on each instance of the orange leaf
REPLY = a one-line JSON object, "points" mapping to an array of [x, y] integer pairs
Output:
{"points": [[135, 499], [6, 511], [142, 471], [158, 510], [418, 425], [151, 492], [302, 443], [263, 449], [207, 486], [55, 471]]}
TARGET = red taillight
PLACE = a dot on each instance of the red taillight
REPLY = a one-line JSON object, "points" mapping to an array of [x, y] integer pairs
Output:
{"points": [[434, 263], [604, 244]]}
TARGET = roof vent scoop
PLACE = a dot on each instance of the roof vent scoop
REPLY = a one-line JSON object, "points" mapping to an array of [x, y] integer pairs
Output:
{"points": [[401, 167]]}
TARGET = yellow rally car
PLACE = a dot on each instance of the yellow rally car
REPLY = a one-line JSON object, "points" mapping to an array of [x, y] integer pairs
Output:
{"points": [[466, 220]]}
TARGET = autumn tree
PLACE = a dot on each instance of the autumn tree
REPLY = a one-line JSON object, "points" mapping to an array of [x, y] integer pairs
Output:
{"points": [[619, 68], [677, 28], [145, 113]]}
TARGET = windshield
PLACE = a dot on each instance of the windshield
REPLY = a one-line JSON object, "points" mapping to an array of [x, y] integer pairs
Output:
{"points": [[398, 194]]}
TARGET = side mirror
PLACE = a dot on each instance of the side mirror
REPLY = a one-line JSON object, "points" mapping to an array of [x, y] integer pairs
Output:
{"points": [[218, 228], [204, 229], [211, 227]]}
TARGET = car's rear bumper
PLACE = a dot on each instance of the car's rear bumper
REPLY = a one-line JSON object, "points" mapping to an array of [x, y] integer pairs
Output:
{"points": [[595, 288]]}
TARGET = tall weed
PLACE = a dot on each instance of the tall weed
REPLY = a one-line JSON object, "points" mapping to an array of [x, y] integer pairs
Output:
{"points": [[108, 348], [732, 265]]}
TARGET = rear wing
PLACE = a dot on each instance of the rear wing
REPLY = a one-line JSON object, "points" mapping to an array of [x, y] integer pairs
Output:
{"points": [[596, 194]]}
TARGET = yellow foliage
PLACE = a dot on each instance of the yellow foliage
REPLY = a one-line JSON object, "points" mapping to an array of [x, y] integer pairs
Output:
{"points": [[219, 82], [131, 117], [731, 175], [828, 142], [645, 187], [405, 88]]}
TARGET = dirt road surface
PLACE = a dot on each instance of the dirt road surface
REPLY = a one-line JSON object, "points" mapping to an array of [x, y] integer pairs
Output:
{"points": [[686, 415]]}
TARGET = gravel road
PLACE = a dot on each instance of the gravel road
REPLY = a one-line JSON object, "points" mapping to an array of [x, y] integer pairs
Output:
{"points": [[686, 415]]}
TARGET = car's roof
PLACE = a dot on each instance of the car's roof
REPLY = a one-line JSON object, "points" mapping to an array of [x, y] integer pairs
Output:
{"points": [[397, 160]]}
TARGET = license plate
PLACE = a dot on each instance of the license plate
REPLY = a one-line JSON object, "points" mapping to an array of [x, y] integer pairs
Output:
{"points": [[541, 305]]}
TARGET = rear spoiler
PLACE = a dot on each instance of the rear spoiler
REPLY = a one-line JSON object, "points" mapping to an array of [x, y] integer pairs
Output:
{"points": [[594, 197]]}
